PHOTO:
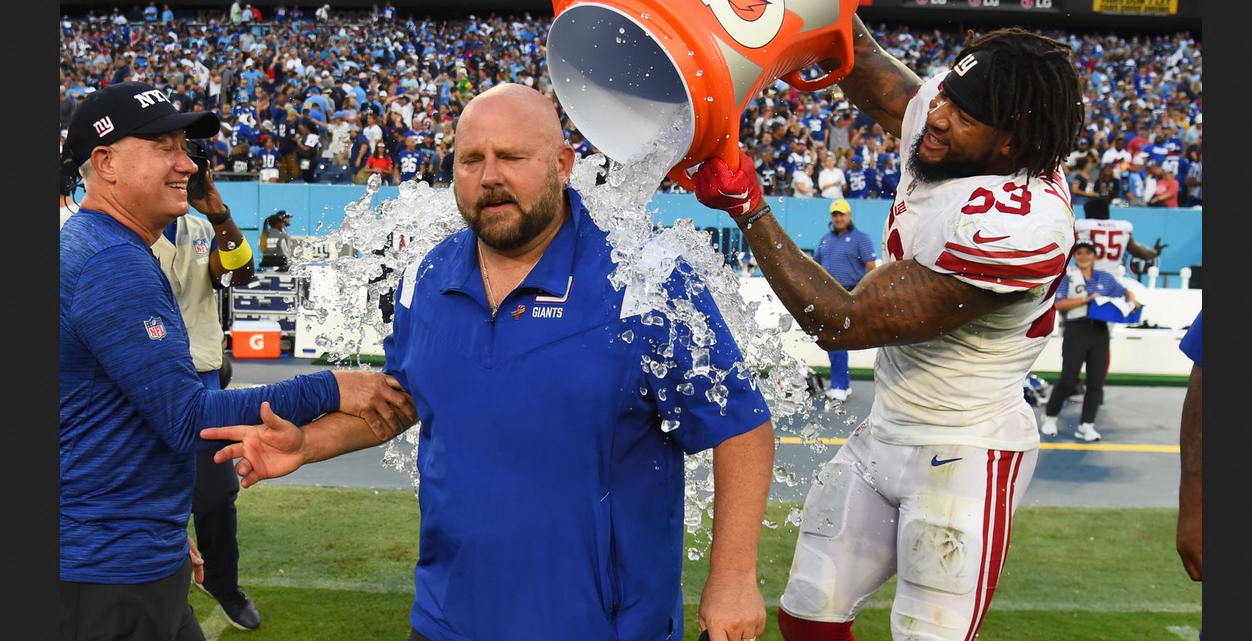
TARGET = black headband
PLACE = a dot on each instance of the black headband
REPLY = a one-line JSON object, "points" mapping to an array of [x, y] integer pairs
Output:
{"points": [[965, 86]]}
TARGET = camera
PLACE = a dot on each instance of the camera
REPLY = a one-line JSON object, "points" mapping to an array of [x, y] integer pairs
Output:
{"points": [[196, 185]]}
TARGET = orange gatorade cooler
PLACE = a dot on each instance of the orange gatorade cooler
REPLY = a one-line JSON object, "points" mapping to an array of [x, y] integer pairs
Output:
{"points": [[255, 339], [635, 75]]}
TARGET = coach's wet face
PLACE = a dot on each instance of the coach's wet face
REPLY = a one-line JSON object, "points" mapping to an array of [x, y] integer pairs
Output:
{"points": [[955, 145], [509, 173]]}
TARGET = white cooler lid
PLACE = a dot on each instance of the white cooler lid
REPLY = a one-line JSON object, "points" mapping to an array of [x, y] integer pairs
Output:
{"points": [[255, 326]]}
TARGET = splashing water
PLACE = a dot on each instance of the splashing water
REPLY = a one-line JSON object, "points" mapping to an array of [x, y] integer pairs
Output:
{"points": [[645, 257]]}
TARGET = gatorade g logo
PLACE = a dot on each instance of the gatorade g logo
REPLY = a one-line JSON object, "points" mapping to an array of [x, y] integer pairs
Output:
{"points": [[256, 342], [752, 23]]}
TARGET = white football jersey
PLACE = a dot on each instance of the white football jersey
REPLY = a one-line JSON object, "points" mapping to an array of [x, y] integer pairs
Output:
{"points": [[1002, 233], [1111, 237]]}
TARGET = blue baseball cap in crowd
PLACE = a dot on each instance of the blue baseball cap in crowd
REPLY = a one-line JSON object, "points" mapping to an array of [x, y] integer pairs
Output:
{"points": [[884, 157], [856, 159]]}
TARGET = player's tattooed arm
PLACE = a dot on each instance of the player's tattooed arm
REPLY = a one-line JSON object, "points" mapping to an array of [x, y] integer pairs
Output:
{"points": [[899, 303], [879, 84]]}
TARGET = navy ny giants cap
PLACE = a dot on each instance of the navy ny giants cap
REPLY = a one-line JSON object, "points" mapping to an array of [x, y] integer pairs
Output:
{"points": [[128, 108]]}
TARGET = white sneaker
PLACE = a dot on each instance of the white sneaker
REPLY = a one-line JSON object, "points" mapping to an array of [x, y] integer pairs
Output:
{"points": [[1086, 432], [837, 394], [1048, 426]]}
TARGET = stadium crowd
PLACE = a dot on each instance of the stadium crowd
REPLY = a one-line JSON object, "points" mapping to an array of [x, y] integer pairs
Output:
{"points": [[315, 95]]}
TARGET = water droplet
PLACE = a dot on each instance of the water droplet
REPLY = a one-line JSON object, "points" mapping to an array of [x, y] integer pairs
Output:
{"points": [[691, 53], [628, 335], [709, 99], [686, 389], [810, 308], [668, 426], [621, 29], [847, 322], [660, 394], [693, 554], [699, 72], [643, 391]]}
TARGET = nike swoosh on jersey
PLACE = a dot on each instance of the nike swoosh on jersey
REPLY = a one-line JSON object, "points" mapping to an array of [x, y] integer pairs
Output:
{"points": [[935, 462], [980, 239], [743, 195]]}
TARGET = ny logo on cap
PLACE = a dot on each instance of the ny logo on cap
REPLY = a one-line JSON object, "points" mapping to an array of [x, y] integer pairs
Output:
{"points": [[151, 97], [965, 64], [103, 126]]}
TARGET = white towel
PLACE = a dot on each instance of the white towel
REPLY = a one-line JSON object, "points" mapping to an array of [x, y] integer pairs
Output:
{"points": [[1077, 289]]}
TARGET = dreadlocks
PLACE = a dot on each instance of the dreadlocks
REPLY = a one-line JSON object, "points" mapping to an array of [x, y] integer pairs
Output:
{"points": [[1033, 91]]}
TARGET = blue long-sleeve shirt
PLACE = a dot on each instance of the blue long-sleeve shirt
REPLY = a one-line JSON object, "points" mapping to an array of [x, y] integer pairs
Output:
{"points": [[132, 407]]}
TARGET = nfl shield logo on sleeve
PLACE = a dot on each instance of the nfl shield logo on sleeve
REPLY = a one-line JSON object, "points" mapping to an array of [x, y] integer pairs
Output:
{"points": [[156, 329], [201, 245]]}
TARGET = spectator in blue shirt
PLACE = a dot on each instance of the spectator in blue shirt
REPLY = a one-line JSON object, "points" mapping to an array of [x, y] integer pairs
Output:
{"points": [[847, 253], [1085, 340], [888, 176], [411, 160], [1133, 182], [166, 15], [132, 404], [862, 181], [591, 490], [1190, 535]]}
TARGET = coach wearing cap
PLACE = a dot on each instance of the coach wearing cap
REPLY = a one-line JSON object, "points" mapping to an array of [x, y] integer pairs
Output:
{"points": [[847, 253], [132, 405]]}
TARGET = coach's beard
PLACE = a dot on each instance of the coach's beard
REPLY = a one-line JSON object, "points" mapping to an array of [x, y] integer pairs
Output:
{"points": [[531, 222]]}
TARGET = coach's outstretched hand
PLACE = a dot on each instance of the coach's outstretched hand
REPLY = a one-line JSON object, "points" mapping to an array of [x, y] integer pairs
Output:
{"points": [[378, 399], [272, 449], [735, 192]]}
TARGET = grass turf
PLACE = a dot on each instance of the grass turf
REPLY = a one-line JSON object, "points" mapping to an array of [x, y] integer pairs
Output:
{"points": [[335, 563]]}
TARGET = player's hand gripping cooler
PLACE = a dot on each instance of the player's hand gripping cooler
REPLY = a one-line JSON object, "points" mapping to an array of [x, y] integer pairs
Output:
{"points": [[734, 192]]}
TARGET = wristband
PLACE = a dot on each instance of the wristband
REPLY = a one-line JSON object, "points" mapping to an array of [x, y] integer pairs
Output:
{"points": [[237, 257], [755, 217], [218, 220]]}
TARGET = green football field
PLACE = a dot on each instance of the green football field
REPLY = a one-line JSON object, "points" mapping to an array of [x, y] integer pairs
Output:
{"points": [[332, 563]]}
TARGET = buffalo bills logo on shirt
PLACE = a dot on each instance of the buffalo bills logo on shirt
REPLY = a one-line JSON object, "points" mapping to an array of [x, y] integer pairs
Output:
{"points": [[201, 245], [156, 329]]}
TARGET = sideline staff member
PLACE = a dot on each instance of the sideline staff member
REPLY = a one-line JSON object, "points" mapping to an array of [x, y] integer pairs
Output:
{"points": [[131, 403], [1084, 341], [846, 253], [196, 254]]}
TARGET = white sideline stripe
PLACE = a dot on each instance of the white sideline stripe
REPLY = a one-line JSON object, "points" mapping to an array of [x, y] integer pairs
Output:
{"points": [[215, 625], [874, 604], [1184, 632]]}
